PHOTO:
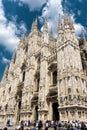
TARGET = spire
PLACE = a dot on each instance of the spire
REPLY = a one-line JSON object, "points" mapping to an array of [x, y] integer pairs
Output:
{"points": [[34, 24], [13, 57], [59, 22], [26, 41], [6, 70], [51, 34], [65, 18], [45, 26], [22, 38], [68, 24], [21, 41], [60, 26], [84, 39], [71, 24]]}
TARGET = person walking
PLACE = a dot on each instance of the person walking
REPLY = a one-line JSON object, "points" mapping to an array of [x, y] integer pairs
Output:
{"points": [[40, 125]]}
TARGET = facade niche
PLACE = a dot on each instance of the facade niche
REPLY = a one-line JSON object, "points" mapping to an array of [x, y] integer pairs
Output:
{"points": [[3, 92], [69, 90], [6, 106], [23, 79], [38, 80], [54, 77], [38, 63], [9, 89], [26, 49]]}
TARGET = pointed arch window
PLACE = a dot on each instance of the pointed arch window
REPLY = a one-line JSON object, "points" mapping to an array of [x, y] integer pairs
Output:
{"points": [[23, 79], [69, 90], [54, 77]]}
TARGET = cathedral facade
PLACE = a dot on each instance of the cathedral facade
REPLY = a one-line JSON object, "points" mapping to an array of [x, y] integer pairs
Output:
{"points": [[46, 78]]}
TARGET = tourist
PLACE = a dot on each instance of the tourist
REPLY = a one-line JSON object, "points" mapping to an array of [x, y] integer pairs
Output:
{"points": [[5, 128], [8, 122], [83, 126], [34, 127], [40, 125], [22, 125]]}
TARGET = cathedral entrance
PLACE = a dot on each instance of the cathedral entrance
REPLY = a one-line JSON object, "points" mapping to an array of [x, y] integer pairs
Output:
{"points": [[18, 98], [36, 113], [19, 109], [55, 111]]}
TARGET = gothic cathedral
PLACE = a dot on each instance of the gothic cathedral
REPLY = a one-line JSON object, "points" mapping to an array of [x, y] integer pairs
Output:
{"points": [[47, 77]]}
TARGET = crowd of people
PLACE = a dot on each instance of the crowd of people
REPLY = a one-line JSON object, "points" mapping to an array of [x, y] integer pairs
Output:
{"points": [[55, 125]]}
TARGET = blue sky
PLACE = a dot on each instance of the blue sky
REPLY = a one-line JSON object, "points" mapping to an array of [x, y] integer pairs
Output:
{"points": [[16, 17]]}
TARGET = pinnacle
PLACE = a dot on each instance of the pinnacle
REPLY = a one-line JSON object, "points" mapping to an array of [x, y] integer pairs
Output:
{"points": [[13, 57], [45, 25], [84, 39], [34, 24], [59, 23], [51, 34], [65, 18], [22, 37], [6, 70]]}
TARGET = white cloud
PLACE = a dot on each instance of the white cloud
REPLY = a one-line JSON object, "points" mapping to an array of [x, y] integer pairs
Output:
{"points": [[78, 28], [51, 12], [9, 31], [32, 4], [8, 37], [22, 27], [5, 60]]}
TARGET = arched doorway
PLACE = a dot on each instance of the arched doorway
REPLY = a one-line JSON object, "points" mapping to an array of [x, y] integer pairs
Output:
{"points": [[19, 109], [18, 98], [55, 111], [36, 113]]}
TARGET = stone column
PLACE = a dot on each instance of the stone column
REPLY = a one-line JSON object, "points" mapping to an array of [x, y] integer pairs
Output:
{"points": [[50, 111], [76, 114], [51, 79]]}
